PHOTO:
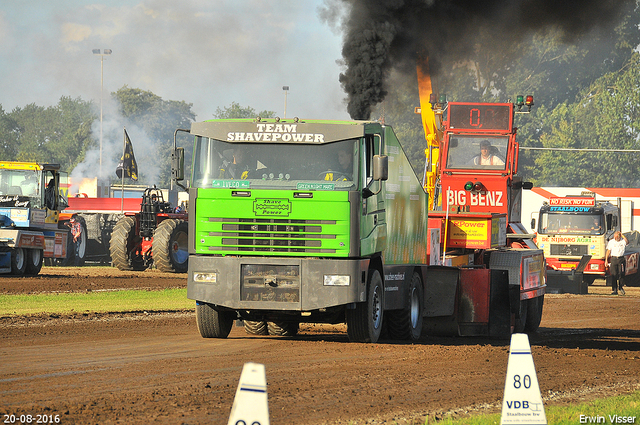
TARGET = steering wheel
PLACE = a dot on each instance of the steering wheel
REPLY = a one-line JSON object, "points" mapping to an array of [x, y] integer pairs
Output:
{"points": [[337, 175]]}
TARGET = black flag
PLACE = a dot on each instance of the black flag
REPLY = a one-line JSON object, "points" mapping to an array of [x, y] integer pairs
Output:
{"points": [[128, 161]]}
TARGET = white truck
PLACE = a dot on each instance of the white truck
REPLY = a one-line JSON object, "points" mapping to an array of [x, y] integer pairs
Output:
{"points": [[573, 226]]}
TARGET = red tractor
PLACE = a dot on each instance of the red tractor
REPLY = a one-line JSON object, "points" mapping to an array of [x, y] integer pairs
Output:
{"points": [[156, 235]]}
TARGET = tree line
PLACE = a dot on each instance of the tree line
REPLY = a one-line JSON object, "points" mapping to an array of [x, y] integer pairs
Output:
{"points": [[64, 133]]}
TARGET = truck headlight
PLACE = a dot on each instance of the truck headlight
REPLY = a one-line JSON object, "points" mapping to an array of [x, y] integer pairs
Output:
{"points": [[337, 280], [204, 277]]}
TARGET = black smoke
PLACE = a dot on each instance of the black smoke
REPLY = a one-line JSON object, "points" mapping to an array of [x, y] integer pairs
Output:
{"points": [[385, 35]]}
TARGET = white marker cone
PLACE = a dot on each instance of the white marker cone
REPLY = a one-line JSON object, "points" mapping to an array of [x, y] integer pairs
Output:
{"points": [[522, 403], [251, 407]]}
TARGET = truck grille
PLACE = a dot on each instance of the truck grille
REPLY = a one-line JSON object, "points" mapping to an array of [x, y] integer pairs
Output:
{"points": [[272, 235], [570, 250]]}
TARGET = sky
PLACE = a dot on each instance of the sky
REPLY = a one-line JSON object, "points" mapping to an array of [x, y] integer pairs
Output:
{"points": [[208, 53]]}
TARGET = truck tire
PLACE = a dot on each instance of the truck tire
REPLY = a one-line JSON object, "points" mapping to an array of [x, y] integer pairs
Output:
{"points": [[213, 323], [82, 251], [407, 323], [534, 314], [71, 249], [123, 245], [521, 318], [364, 322], [18, 261], [170, 246], [253, 327], [35, 258], [283, 328]]}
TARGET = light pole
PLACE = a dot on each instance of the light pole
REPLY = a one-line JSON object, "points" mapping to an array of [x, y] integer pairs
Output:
{"points": [[102, 55], [286, 89]]}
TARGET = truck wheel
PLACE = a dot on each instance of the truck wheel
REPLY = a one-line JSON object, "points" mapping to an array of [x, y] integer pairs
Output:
{"points": [[124, 246], [364, 322], [33, 265], [521, 320], [407, 323], [256, 327], [283, 328], [213, 323], [18, 261], [534, 314], [71, 248], [82, 251], [170, 247]]}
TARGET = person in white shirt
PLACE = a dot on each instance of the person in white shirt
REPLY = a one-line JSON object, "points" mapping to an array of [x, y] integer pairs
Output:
{"points": [[486, 157], [615, 257]]}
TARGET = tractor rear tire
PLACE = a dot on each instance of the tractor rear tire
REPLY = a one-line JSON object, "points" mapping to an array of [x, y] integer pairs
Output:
{"points": [[364, 322], [213, 323], [35, 258], [170, 247], [124, 244]]}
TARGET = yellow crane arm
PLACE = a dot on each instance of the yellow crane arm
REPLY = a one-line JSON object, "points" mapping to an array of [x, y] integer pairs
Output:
{"points": [[431, 132]]}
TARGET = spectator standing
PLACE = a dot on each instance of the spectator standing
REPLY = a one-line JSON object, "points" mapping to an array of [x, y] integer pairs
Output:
{"points": [[615, 257]]}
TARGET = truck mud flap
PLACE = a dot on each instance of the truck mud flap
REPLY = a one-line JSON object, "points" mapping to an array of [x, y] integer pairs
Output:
{"points": [[486, 303], [501, 299], [566, 282], [440, 294], [569, 281]]}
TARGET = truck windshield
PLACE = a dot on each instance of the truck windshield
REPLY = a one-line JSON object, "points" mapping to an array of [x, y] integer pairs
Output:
{"points": [[477, 152], [330, 166], [20, 188], [582, 224]]}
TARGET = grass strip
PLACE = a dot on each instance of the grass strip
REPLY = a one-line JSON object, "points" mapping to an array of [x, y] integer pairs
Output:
{"points": [[97, 301], [610, 410]]}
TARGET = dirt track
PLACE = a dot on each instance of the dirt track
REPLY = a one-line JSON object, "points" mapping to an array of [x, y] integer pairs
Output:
{"points": [[128, 368]]}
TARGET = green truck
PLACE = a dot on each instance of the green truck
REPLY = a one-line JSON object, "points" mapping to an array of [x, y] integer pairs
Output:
{"points": [[296, 221]]}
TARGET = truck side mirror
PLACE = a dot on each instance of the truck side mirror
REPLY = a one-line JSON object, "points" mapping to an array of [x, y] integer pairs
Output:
{"points": [[177, 164], [533, 224], [380, 167]]}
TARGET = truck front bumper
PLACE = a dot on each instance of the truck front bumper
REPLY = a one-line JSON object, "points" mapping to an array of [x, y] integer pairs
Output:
{"points": [[276, 283]]}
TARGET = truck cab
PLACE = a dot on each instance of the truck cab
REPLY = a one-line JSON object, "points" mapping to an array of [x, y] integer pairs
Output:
{"points": [[296, 221], [571, 228], [477, 200]]}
